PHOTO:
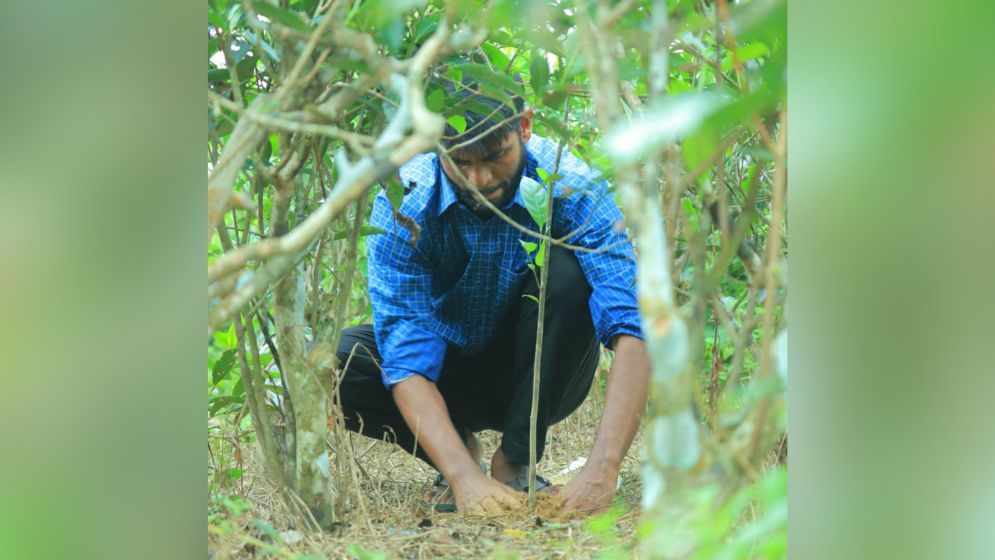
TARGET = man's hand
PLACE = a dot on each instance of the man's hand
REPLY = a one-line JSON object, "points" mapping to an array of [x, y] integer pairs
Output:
{"points": [[481, 495], [591, 491], [425, 413], [593, 488]]}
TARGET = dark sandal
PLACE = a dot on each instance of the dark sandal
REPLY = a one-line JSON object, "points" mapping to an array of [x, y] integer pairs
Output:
{"points": [[522, 484], [440, 489]]}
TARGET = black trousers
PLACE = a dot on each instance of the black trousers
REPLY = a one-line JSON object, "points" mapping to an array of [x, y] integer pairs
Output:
{"points": [[491, 389]]}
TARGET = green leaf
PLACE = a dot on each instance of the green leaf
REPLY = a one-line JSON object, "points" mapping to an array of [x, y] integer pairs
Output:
{"points": [[556, 125], [222, 366], [238, 391], [503, 13], [541, 37], [279, 15], [427, 26], [217, 75], [458, 122], [265, 46], [484, 75], [470, 104], [698, 147], [528, 246], [395, 194], [391, 33], [554, 100], [436, 100], [534, 196], [759, 153], [219, 402], [245, 68], [630, 69], [752, 51], [217, 20], [234, 16], [498, 59], [539, 72], [532, 297], [541, 255], [604, 524]]}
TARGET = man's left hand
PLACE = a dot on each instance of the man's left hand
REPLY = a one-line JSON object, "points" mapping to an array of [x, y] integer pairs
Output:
{"points": [[591, 491]]}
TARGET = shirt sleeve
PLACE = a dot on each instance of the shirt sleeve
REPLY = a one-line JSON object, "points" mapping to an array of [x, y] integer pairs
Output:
{"points": [[400, 294], [611, 271]]}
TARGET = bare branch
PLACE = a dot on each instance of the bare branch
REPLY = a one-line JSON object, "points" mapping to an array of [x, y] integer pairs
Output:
{"points": [[391, 150], [246, 134]]}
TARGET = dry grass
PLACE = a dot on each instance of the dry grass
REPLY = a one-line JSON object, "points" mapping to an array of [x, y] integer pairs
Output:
{"points": [[401, 525]]}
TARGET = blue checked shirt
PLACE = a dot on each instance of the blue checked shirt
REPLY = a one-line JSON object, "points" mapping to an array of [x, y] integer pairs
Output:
{"points": [[454, 292]]}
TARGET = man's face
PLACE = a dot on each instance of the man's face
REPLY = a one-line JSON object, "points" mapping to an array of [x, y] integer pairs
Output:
{"points": [[496, 175]]}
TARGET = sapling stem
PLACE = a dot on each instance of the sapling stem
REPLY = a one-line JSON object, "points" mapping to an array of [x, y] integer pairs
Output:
{"points": [[547, 227]]}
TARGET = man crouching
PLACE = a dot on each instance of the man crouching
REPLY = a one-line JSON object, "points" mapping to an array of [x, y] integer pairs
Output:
{"points": [[451, 348]]}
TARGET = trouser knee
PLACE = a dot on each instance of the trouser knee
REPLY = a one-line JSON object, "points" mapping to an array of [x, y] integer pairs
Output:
{"points": [[358, 348], [568, 290]]}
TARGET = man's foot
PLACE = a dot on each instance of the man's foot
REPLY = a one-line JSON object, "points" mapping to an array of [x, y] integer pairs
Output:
{"points": [[503, 470], [515, 476], [473, 446], [522, 484]]}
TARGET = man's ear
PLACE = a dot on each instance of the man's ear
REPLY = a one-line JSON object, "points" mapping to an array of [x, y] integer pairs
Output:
{"points": [[527, 125]]}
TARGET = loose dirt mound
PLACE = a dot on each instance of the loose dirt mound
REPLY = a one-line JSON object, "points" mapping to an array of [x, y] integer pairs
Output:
{"points": [[549, 508]]}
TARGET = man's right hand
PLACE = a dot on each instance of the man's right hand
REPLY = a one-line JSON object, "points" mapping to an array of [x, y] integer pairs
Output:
{"points": [[425, 412], [479, 494]]}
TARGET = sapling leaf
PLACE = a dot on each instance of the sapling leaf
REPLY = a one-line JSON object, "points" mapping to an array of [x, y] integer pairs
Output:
{"points": [[534, 196], [541, 255]]}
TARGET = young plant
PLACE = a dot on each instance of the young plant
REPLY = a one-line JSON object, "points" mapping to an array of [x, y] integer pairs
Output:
{"points": [[538, 199]]}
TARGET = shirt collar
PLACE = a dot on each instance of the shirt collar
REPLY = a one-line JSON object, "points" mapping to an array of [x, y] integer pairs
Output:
{"points": [[447, 195]]}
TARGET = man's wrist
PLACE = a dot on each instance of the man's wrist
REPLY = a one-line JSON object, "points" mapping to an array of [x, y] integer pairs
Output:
{"points": [[603, 467], [463, 473]]}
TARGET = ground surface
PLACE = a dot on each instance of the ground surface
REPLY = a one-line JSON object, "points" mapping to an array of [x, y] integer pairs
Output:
{"points": [[399, 524]]}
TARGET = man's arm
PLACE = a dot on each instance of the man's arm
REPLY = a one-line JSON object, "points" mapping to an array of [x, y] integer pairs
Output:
{"points": [[400, 291], [611, 273], [426, 414], [593, 488]]}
